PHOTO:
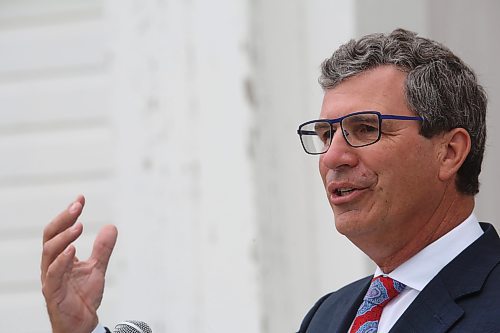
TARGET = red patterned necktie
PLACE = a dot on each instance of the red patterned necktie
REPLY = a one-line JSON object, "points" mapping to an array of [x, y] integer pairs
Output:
{"points": [[382, 290]]}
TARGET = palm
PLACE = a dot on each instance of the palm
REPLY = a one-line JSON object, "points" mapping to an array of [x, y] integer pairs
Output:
{"points": [[81, 293]]}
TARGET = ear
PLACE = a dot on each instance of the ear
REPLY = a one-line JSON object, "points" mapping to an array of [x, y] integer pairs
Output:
{"points": [[455, 148]]}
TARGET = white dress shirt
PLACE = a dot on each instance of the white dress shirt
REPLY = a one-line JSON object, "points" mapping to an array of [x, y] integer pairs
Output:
{"points": [[420, 269]]}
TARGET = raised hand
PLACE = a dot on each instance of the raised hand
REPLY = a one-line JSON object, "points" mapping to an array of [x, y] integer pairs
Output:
{"points": [[73, 289]]}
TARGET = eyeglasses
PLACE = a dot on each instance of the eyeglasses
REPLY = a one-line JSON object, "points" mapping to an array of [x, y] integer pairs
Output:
{"points": [[359, 129]]}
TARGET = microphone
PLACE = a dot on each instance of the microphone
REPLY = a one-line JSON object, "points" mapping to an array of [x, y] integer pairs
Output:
{"points": [[132, 326]]}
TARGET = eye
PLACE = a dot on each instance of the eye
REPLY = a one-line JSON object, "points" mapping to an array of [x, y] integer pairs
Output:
{"points": [[364, 124], [366, 129], [361, 129], [324, 132]]}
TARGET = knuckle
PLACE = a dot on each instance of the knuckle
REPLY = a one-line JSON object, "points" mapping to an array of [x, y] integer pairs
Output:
{"points": [[44, 289], [51, 274], [47, 250]]}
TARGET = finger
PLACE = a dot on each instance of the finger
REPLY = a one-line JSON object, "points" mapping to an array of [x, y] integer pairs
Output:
{"points": [[59, 224], [56, 271], [65, 219], [104, 245], [53, 247]]}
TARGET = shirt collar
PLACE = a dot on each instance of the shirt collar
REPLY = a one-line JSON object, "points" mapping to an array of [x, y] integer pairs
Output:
{"points": [[420, 269]]}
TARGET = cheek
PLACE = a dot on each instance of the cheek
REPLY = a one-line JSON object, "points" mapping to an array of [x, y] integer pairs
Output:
{"points": [[394, 181], [322, 170], [406, 184]]}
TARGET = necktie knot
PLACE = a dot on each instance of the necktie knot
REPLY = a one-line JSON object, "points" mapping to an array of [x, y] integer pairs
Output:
{"points": [[381, 291]]}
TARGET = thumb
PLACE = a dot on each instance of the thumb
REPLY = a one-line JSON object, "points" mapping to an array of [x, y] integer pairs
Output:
{"points": [[104, 245]]}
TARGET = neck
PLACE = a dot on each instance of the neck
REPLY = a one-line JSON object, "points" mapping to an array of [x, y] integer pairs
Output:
{"points": [[449, 214]]}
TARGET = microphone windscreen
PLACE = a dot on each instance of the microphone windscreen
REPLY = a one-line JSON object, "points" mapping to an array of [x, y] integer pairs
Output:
{"points": [[132, 326]]}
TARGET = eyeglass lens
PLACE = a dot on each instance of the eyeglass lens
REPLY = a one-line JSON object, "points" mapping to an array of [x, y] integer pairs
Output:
{"points": [[358, 130]]}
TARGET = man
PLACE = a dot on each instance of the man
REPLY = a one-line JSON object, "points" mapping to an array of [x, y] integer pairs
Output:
{"points": [[400, 140], [400, 174]]}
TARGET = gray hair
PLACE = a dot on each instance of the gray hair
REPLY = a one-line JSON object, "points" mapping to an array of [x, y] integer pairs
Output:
{"points": [[439, 87]]}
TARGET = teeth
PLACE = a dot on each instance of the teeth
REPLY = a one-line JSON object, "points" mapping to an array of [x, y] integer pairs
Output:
{"points": [[344, 191]]}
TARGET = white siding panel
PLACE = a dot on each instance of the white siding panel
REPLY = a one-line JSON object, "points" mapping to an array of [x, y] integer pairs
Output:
{"points": [[24, 313], [29, 11], [55, 156], [55, 47], [58, 101]]}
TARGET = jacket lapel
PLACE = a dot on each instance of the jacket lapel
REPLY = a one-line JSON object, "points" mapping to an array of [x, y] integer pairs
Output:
{"points": [[434, 310], [437, 307], [347, 310]]}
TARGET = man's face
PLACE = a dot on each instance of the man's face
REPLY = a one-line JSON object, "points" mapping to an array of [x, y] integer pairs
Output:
{"points": [[390, 187]]}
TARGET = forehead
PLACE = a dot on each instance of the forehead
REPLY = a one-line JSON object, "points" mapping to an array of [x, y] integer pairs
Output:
{"points": [[380, 89]]}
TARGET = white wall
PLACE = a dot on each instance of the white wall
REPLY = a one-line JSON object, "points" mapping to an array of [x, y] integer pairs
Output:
{"points": [[177, 120]]}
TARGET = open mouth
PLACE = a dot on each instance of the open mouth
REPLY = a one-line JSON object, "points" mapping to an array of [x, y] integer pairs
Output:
{"points": [[344, 191]]}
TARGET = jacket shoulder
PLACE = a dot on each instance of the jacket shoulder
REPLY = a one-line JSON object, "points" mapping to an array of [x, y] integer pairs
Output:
{"points": [[331, 305]]}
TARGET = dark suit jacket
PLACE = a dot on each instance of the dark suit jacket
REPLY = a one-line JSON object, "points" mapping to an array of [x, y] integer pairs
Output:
{"points": [[464, 297]]}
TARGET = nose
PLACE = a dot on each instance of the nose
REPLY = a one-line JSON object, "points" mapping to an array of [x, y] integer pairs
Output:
{"points": [[339, 154]]}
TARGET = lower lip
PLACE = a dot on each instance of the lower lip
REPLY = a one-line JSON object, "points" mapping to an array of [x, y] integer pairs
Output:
{"points": [[354, 195]]}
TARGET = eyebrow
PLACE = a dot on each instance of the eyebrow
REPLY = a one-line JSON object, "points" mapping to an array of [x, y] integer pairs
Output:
{"points": [[362, 117]]}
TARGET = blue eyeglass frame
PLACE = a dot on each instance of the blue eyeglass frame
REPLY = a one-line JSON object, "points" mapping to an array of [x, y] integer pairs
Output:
{"points": [[339, 120]]}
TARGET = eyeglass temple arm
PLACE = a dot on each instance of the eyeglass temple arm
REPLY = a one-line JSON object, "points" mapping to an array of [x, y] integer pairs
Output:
{"points": [[390, 116], [305, 132]]}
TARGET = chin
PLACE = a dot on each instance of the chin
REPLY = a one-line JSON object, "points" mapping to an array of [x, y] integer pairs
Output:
{"points": [[347, 224], [353, 223]]}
